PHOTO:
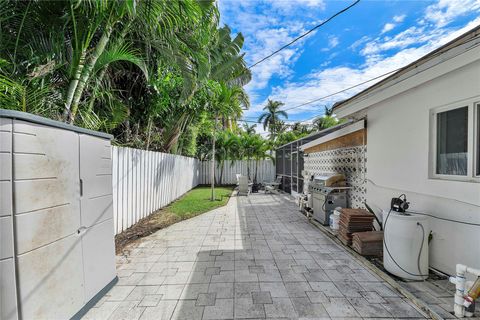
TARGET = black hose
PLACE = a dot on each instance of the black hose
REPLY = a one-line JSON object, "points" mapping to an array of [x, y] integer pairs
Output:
{"points": [[421, 247], [372, 212]]}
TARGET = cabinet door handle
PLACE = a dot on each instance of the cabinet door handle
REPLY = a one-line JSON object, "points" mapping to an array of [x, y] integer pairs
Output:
{"points": [[81, 188]]}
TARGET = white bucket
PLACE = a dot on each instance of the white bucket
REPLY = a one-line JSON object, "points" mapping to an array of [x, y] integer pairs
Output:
{"points": [[335, 219]]}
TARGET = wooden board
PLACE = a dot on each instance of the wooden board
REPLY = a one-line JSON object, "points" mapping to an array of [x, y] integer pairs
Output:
{"points": [[357, 138]]}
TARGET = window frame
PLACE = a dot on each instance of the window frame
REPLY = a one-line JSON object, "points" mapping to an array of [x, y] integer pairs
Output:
{"points": [[476, 140], [473, 105]]}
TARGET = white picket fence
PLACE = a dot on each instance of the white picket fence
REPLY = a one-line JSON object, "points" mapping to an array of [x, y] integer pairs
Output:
{"points": [[265, 171], [146, 181]]}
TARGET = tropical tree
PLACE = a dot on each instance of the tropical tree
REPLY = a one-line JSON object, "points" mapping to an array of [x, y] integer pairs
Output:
{"points": [[226, 148], [271, 116], [229, 102], [68, 48], [249, 129], [154, 73], [325, 121], [300, 128], [262, 152]]}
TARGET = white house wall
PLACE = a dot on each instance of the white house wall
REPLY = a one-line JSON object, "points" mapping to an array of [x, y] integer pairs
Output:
{"points": [[398, 162]]}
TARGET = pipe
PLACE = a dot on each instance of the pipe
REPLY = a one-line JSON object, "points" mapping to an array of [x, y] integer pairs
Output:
{"points": [[460, 287]]}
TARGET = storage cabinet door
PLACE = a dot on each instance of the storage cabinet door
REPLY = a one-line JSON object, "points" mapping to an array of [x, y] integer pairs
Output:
{"points": [[47, 217], [96, 213], [8, 292]]}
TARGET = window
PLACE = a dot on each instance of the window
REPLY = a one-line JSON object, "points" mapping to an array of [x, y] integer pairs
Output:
{"points": [[477, 142], [452, 142], [456, 142]]}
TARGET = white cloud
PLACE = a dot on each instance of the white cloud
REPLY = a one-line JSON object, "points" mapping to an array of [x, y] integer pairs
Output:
{"points": [[287, 5], [333, 42], [269, 25], [278, 22], [399, 18], [391, 25], [412, 35], [387, 27], [445, 11], [328, 81]]}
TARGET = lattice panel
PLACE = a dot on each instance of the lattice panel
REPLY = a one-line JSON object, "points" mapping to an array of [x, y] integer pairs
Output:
{"points": [[349, 161]]}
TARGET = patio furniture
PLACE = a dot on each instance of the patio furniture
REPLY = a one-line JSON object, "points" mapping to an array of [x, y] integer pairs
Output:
{"points": [[238, 175], [273, 186], [244, 187]]}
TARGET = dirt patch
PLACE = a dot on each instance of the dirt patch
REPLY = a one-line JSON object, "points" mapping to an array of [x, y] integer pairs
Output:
{"points": [[145, 227]]}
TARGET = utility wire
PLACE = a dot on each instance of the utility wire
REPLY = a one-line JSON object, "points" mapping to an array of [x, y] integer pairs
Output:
{"points": [[380, 76], [341, 91], [304, 34]]}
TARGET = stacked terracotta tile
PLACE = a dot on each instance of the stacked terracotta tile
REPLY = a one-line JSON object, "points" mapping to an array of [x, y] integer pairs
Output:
{"points": [[369, 243], [354, 220]]}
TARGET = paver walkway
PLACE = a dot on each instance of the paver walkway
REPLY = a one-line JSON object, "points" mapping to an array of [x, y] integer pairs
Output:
{"points": [[255, 258]]}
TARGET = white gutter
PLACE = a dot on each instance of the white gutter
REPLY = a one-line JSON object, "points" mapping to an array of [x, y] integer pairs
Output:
{"points": [[356, 126]]}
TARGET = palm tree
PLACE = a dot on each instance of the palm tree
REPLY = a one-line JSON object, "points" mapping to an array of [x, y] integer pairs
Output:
{"points": [[249, 129], [325, 121], [228, 64], [261, 152], [300, 128], [67, 47], [230, 101], [271, 116], [280, 127], [226, 148]]}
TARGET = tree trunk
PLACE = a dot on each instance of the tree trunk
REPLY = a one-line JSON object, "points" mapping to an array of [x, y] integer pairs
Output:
{"points": [[213, 159], [149, 129], [73, 85], [102, 73], [86, 72], [222, 166], [176, 132]]}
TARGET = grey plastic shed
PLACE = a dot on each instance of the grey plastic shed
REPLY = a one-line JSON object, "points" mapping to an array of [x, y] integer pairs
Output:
{"points": [[57, 249]]}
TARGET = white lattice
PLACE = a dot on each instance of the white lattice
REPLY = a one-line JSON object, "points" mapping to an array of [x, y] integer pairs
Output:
{"points": [[349, 161]]}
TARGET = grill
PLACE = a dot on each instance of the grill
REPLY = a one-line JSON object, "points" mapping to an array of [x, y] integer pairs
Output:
{"points": [[328, 191]]}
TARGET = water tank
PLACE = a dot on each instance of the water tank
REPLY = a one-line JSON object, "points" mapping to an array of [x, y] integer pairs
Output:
{"points": [[405, 245]]}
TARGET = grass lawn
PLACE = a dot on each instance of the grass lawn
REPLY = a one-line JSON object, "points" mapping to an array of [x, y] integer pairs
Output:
{"points": [[193, 203], [198, 201]]}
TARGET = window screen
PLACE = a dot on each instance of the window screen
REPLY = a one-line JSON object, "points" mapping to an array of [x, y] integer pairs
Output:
{"points": [[279, 161], [287, 169], [294, 163], [452, 142]]}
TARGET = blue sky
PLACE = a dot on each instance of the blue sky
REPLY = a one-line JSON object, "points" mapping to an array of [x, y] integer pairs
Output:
{"points": [[372, 38]]}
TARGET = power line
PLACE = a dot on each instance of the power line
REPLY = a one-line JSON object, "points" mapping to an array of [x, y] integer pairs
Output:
{"points": [[380, 76], [341, 91], [304, 34], [338, 92]]}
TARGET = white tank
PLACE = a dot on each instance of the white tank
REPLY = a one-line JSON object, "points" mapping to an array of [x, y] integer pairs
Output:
{"points": [[403, 252]]}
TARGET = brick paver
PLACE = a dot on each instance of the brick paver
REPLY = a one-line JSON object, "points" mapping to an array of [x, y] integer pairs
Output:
{"points": [[255, 258]]}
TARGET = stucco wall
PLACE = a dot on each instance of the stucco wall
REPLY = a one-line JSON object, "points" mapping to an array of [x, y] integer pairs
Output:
{"points": [[398, 162]]}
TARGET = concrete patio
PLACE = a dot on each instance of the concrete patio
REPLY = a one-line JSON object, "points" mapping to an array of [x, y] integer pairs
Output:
{"points": [[255, 258]]}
